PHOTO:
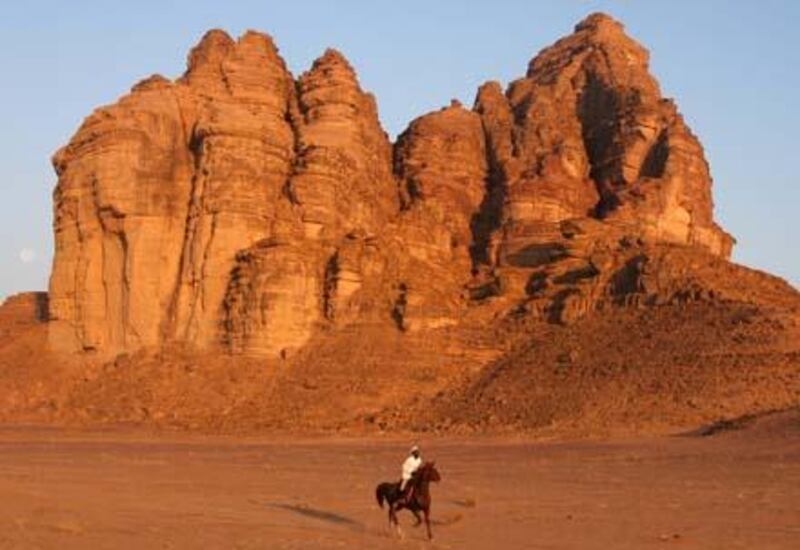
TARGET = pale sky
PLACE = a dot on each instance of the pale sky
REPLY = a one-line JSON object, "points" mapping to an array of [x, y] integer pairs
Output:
{"points": [[731, 66]]}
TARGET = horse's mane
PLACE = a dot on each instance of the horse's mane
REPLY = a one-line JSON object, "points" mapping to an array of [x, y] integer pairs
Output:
{"points": [[424, 468]]}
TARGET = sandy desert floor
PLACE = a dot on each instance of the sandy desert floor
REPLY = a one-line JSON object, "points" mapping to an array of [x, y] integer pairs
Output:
{"points": [[127, 489]]}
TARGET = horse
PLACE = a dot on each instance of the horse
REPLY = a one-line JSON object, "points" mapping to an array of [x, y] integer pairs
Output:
{"points": [[420, 501]]}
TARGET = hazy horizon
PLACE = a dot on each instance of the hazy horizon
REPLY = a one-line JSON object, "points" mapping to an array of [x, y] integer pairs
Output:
{"points": [[730, 68]]}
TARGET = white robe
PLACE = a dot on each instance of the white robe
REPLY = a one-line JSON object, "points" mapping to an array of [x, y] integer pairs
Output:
{"points": [[409, 467]]}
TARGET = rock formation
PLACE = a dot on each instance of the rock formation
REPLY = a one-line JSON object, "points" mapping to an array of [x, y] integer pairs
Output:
{"points": [[25, 308], [587, 134], [169, 199], [441, 164], [240, 209]]}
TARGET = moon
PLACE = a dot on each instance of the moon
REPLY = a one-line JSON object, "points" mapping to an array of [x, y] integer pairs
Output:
{"points": [[27, 255]]}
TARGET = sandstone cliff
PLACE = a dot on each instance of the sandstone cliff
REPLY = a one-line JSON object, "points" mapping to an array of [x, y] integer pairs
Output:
{"points": [[239, 209], [204, 211], [586, 133]]}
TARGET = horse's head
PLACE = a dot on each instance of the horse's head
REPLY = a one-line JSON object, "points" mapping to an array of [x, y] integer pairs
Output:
{"points": [[428, 472]]}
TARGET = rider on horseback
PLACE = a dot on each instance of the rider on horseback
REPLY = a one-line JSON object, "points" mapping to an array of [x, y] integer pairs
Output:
{"points": [[411, 465], [417, 477]]}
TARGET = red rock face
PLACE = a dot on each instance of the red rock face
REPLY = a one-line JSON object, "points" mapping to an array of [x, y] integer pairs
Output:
{"points": [[586, 133], [240, 97], [26, 308], [343, 175], [240, 209], [441, 165]]}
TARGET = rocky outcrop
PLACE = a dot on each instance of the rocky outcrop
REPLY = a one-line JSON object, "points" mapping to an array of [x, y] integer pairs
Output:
{"points": [[342, 179], [165, 199], [586, 133], [271, 303], [23, 309], [441, 163], [157, 194], [241, 98], [121, 207], [240, 209]]}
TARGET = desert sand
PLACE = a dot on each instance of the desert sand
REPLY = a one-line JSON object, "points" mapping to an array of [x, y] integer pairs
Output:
{"points": [[129, 489]]}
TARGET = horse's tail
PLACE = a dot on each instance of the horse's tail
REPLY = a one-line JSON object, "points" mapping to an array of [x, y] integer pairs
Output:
{"points": [[379, 496]]}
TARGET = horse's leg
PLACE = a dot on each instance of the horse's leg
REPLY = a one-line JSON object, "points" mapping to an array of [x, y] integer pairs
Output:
{"points": [[416, 515], [398, 528], [393, 520], [426, 511]]}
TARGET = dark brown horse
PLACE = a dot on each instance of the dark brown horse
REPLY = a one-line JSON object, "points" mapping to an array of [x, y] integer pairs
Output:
{"points": [[420, 499]]}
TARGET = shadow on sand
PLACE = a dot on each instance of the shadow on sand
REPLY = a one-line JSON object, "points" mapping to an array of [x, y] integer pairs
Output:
{"points": [[321, 515]]}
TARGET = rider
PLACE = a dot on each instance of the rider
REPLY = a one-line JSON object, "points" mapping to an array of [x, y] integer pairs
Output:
{"points": [[410, 465]]}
